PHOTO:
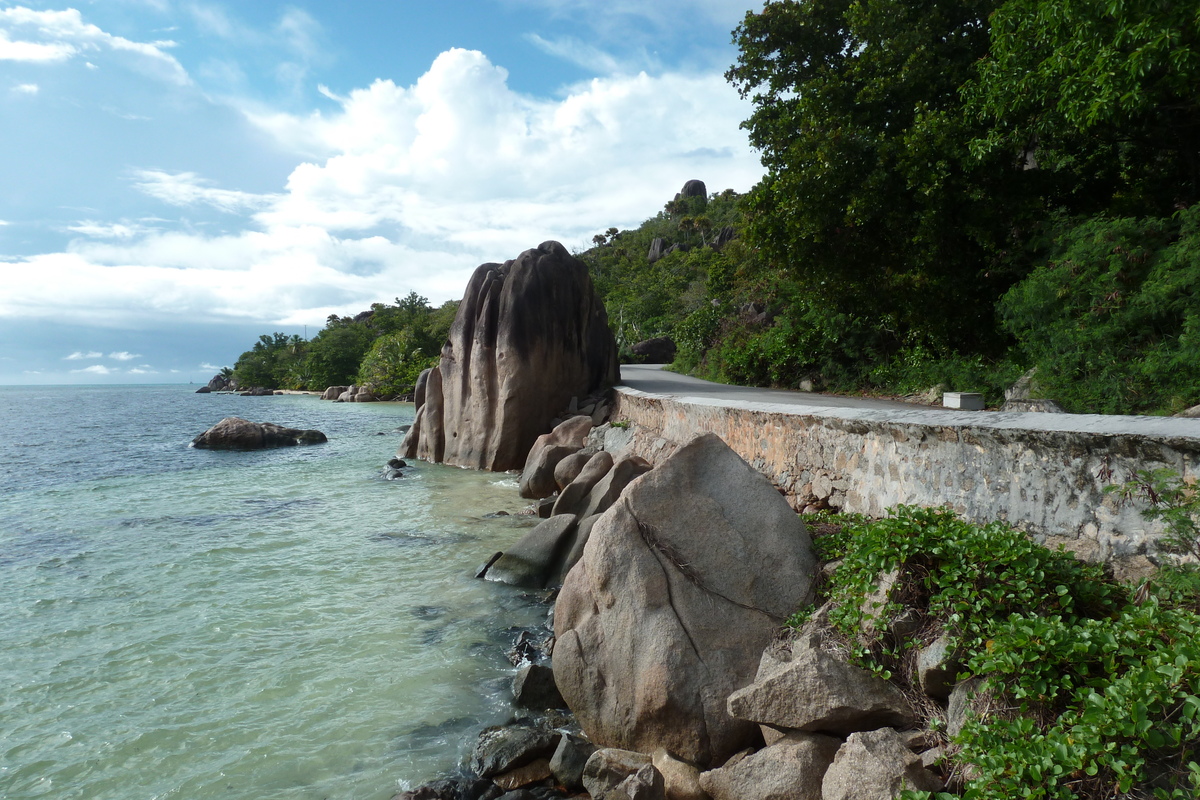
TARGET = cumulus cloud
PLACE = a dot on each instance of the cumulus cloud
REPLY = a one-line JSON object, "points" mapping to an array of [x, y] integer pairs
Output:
{"points": [[80, 355], [26, 88], [414, 187], [124, 356], [206, 365], [56, 36], [95, 369]]}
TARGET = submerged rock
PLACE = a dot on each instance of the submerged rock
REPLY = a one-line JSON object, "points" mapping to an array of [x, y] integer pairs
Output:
{"points": [[235, 433]]}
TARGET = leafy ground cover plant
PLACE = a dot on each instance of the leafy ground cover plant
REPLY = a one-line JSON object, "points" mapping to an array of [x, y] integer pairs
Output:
{"points": [[1094, 687]]}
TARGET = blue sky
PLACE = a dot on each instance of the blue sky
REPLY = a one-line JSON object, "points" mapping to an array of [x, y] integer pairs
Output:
{"points": [[178, 177]]}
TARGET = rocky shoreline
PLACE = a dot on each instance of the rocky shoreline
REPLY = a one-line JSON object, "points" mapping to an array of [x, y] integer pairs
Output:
{"points": [[665, 670]]}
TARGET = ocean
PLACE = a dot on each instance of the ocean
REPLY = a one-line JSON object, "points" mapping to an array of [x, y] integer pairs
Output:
{"points": [[182, 623]]}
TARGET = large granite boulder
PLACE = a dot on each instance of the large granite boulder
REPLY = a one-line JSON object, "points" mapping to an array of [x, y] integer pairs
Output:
{"points": [[537, 478], [219, 383], [235, 433], [530, 334], [693, 188], [790, 769], [682, 584], [876, 765], [812, 690], [659, 350]]}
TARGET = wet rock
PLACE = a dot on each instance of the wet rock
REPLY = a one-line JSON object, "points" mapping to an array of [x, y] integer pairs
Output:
{"points": [[505, 748], [537, 556], [533, 772], [534, 688], [235, 433]]}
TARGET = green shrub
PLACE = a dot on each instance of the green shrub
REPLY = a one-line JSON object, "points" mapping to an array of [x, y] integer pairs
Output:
{"points": [[1111, 319], [1098, 694], [394, 363]]}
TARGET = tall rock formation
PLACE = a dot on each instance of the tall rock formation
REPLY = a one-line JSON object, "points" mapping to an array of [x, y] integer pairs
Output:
{"points": [[530, 334]]}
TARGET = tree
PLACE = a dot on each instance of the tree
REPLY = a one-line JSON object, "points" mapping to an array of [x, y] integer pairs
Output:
{"points": [[335, 353], [1100, 94], [872, 196], [394, 362]]}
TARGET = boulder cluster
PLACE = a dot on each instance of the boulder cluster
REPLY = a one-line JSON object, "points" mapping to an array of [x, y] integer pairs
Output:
{"points": [[529, 335], [349, 394], [668, 646]]}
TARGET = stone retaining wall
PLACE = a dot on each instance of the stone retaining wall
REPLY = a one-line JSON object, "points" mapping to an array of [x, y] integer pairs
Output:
{"points": [[1043, 473]]}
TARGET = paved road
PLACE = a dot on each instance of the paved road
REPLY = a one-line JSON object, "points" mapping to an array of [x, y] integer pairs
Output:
{"points": [[653, 379]]}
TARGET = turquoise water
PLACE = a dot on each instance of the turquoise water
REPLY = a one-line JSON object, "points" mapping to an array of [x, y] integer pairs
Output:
{"points": [[179, 623]]}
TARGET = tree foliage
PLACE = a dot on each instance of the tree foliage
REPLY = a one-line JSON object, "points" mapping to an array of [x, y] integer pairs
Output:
{"points": [[873, 198], [380, 347], [1102, 94], [1111, 319]]}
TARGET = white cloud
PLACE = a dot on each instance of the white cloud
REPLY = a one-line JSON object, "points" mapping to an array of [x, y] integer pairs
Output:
{"points": [[55, 36], [188, 188], [106, 231], [578, 52], [139, 371], [33, 51], [95, 369], [124, 356], [79, 355], [206, 365], [26, 88], [413, 188]]}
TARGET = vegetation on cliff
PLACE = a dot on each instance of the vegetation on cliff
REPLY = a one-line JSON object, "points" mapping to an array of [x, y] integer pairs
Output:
{"points": [[956, 191]]}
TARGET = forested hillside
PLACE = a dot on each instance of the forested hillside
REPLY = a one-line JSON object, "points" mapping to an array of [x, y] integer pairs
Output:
{"points": [[956, 191], [386, 347]]}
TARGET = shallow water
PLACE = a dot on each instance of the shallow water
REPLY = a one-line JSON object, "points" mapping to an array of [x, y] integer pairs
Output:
{"points": [[185, 623]]}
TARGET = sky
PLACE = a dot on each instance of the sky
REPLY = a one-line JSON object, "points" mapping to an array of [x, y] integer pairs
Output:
{"points": [[178, 177]]}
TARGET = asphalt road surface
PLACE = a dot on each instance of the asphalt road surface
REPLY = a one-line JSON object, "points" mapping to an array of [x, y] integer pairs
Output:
{"points": [[653, 379]]}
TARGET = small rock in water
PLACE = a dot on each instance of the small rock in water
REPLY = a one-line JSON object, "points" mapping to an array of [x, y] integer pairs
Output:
{"points": [[397, 463], [433, 636], [428, 612], [524, 649]]}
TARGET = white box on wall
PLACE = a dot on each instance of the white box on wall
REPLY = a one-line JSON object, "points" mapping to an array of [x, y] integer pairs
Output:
{"points": [[967, 401]]}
